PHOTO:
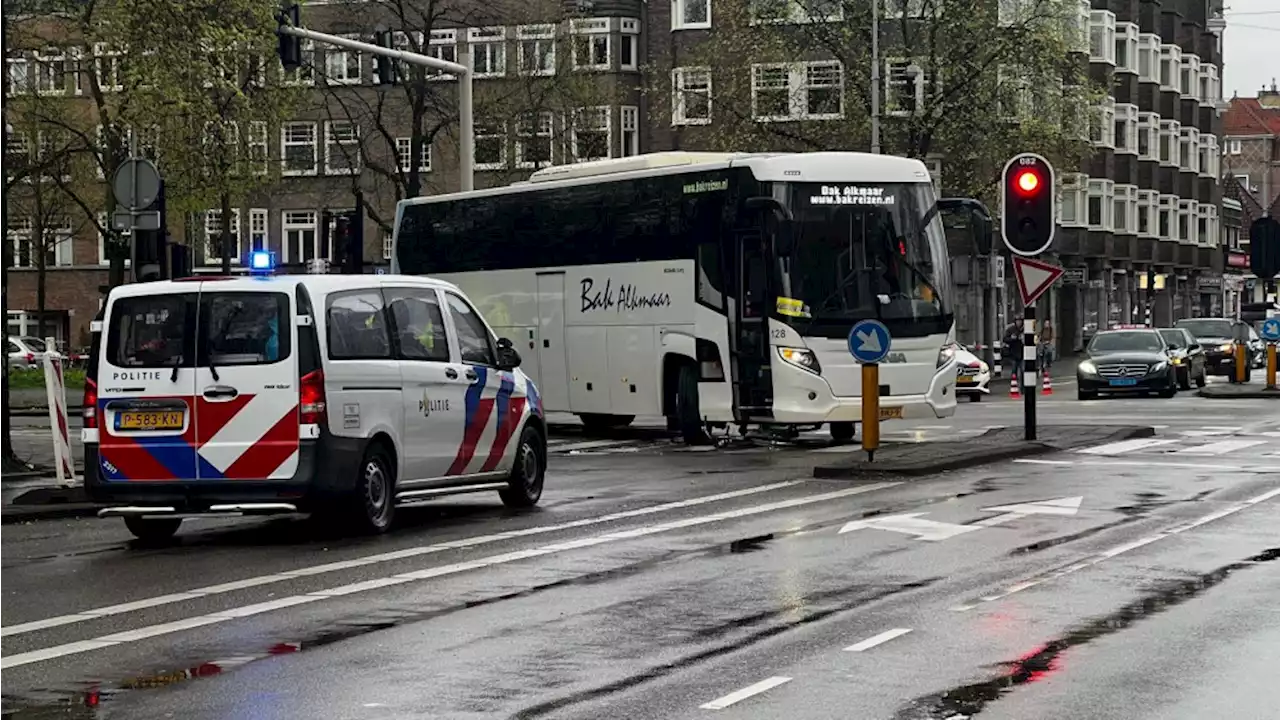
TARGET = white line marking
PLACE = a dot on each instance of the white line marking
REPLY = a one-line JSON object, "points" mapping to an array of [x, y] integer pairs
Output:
{"points": [[336, 566], [1034, 461], [744, 693], [1127, 547], [1225, 428], [1184, 465], [1218, 448], [875, 640], [589, 445], [9, 661], [1125, 446]]}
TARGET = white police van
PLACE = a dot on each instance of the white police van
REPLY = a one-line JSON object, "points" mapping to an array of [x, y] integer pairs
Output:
{"points": [[333, 394]]}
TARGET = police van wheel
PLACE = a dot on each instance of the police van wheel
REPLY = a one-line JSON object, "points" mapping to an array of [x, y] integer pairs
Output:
{"points": [[524, 486], [374, 505], [688, 416], [151, 530]]}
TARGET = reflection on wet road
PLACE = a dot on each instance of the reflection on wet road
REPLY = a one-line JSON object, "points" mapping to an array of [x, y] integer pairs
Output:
{"points": [[1118, 582]]}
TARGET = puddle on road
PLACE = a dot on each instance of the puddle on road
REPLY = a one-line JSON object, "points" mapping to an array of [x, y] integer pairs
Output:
{"points": [[751, 544], [1144, 503], [968, 700]]}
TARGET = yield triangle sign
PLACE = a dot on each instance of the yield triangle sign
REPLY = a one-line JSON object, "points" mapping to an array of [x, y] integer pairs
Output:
{"points": [[1034, 277]]}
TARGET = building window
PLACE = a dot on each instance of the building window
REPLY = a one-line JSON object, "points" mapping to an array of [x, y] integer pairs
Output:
{"points": [[257, 151], [1149, 58], [628, 44], [1243, 182], [442, 45], [1101, 205], [630, 131], [537, 49], [388, 245], [18, 232], [1203, 93], [1016, 95], [1079, 30], [488, 51], [300, 236], [213, 237], [1169, 132], [342, 67], [1126, 130], [691, 99], [1215, 87], [341, 148], [1102, 37], [19, 69], [690, 14], [809, 11], [1073, 200], [1125, 215], [904, 87], [106, 67], [591, 134], [56, 245], [1208, 224], [490, 146], [51, 71], [1147, 208], [298, 151], [1186, 220], [404, 149], [305, 73], [1233, 147], [1189, 78], [1127, 48], [1170, 65], [898, 9], [1148, 136], [1102, 132], [533, 140], [591, 43], [258, 229], [1189, 150], [798, 91], [1210, 160], [1168, 217]]}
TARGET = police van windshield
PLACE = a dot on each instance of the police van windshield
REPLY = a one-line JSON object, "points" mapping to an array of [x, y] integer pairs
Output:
{"points": [[867, 250]]}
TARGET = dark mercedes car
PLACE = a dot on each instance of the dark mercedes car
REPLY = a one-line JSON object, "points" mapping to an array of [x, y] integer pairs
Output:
{"points": [[1187, 356], [1126, 362]]}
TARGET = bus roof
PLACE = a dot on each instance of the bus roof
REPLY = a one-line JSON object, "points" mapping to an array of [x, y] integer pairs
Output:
{"points": [[832, 167]]}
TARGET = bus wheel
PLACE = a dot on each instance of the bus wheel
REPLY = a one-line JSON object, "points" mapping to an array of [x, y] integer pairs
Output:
{"points": [[597, 421], [842, 432], [687, 413]]}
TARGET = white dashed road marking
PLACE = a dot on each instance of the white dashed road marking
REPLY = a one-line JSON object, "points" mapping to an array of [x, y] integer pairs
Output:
{"points": [[875, 640], [744, 693]]}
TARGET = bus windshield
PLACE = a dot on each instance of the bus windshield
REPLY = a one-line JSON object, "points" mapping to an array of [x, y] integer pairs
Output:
{"points": [[866, 250]]}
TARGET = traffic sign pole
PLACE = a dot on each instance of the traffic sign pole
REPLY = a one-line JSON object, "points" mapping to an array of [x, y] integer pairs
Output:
{"points": [[1271, 333], [1029, 369], [869, 343]]}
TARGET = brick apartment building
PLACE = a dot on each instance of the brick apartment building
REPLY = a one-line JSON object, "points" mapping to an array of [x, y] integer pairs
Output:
{"points": [[1149, 198], [1251, 168]]}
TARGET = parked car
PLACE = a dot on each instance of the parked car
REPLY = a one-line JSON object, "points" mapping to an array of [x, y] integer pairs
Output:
{"points": [[973, 375], [1187, 356], [1126, 362], [26, 353]]}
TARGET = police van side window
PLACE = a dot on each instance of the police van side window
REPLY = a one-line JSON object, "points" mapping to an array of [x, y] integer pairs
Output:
{"points": [[152, 331], [357, 326], [419, 325], [473, 336]]}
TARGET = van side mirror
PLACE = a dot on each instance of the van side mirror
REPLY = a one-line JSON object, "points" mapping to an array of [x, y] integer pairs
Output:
{"points": [[508, 356]]}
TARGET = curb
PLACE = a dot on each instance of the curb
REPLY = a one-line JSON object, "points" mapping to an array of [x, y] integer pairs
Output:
{"points": [[962, 456], [1259, 394], [12, 515]]}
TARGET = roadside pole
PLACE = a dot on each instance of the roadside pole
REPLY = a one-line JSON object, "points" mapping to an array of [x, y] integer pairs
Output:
{"points": [[1270, 332], [466, 109], [869, 343], [1029, 379]]}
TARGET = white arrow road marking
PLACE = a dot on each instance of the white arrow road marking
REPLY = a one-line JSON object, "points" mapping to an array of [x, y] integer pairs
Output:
{"points": [[1125, 446], [870, 341], [1059, 506], [1219, 448], [744, 693], [910, 524]]}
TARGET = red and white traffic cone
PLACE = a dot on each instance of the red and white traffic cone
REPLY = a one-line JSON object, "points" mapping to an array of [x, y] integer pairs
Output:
{"points": [[1046, 383], [1014, 392]]}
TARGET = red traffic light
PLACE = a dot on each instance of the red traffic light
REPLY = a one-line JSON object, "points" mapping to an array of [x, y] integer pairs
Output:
{"points": [[1027, 182]]}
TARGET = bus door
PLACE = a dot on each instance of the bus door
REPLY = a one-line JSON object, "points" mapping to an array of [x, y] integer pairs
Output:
{"points": [[749, 334]]}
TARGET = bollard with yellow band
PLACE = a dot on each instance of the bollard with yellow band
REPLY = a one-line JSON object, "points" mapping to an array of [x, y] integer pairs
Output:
{"points": [[1242, 362], [1271, 366], [869, 343], [1270, 331]]}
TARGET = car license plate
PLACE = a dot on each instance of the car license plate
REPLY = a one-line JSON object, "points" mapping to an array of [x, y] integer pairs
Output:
{"points": [[966, 381], [149, 420], [891, 413], [1121, 382]]}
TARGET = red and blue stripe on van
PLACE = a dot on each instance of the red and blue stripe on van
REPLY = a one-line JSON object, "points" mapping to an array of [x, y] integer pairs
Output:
{"points": [[480, 409]]}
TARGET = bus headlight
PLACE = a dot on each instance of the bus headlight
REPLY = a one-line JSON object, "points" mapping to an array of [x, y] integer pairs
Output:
{"points": [[802, 358]]}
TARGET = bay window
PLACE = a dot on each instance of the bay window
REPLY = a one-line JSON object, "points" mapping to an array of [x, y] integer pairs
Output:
{"points": [[1186, 220], [1102, 132], [1147, 209], [1149, 58], [1102, 37], [1189, 78], [1210, 160], [1209, 225], [1170, 65], [1126, 129], [1169, 132], [1189, 150], [1101, 205], [1073, 199], [1167, 219], [1125, 215], [1215, 87], [1148, 136], [1127, 48]]}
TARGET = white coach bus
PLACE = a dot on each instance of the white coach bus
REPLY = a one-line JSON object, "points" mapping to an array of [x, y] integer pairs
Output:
{"points": [[712, 288]]}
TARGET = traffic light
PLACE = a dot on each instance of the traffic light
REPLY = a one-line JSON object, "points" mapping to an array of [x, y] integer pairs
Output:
{"points": [[1264, 247], [384, 67], [290, 46], [1028, 204]]}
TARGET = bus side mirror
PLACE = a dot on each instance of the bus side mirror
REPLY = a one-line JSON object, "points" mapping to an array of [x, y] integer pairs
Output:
{"points": [[508, 357], [783, 242]]}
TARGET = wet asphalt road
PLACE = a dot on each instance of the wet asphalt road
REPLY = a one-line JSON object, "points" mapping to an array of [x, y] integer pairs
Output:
{"points": [[659, 583]]}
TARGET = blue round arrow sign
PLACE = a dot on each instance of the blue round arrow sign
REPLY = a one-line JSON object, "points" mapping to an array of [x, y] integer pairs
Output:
{"points": [[1271, 329], [869, 342]]}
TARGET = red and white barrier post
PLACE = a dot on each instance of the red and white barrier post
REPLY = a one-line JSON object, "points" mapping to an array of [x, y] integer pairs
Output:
{"points": [[56, 389]]}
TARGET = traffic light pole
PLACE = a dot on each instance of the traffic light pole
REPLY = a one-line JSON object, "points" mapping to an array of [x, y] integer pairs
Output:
{"points": [[1029, 353], [466, 119]]}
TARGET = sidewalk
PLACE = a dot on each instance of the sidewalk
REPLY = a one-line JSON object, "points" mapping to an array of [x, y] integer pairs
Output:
{"points": [[1233, 391], [1063, 369]]}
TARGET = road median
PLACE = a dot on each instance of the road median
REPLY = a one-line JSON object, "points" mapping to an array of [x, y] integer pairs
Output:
{"points": [[927, 458], [1232, 391]]}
